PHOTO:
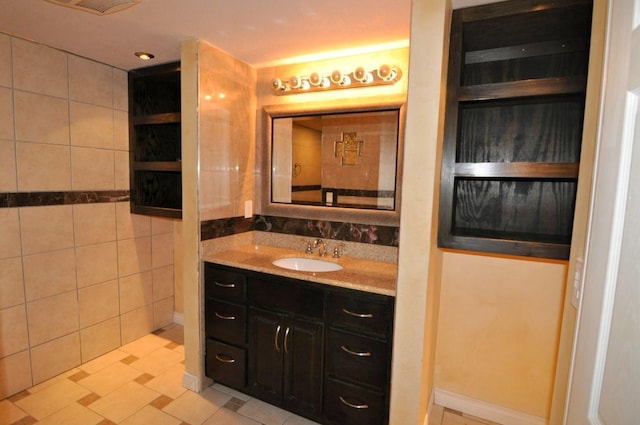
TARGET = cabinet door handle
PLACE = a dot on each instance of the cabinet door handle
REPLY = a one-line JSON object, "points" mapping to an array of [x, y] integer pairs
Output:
{"points": [[225, 285], [286, 340], [360, 315], [353, 406], [225, 359], [356, 353], [223, 317], [275, 339]]}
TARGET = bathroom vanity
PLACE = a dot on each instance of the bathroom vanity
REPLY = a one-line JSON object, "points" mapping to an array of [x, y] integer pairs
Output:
{"points": [[315, 343]]}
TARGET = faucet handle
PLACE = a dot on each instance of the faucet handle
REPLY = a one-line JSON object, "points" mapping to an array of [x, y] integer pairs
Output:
{"points": [[336, 250], [310, 246]]}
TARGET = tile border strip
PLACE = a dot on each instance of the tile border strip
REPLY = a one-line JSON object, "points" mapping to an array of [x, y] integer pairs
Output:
{"points": [[350, 232], [39, 199]]}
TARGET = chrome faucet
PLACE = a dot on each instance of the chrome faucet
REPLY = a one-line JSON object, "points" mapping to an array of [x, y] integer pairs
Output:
{"points": [[322, 247]]}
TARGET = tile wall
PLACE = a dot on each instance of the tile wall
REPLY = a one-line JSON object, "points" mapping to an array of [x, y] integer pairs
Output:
{"points": [[77, 278]]}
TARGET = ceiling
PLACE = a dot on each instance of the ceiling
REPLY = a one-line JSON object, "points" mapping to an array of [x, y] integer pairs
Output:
{"points": [[258, 32]]}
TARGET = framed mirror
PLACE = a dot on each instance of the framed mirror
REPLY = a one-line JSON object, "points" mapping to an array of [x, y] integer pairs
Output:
{"points": [[340, 162]]}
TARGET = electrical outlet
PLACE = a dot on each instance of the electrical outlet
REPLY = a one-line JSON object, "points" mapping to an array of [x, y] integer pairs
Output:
{"points": [[578, 281], [248, 209]]}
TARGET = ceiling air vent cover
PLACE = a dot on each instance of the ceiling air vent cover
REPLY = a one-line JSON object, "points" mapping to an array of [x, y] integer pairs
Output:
{"points": [[98, 7]]}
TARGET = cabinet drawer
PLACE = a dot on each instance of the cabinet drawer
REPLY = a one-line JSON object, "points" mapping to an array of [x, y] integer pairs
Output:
{"points": [[357, 358], [286, 296], [347, 404], [226, 364], [225, 321], [224, 284], [370, 315]]}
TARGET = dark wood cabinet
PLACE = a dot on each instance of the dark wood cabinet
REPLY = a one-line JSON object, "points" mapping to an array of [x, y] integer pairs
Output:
{"points": [[155, 140], [321, 352], [513, 126]]}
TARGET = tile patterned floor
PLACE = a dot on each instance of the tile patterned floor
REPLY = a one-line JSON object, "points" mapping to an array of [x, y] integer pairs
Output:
{"points": [[141, 384]]}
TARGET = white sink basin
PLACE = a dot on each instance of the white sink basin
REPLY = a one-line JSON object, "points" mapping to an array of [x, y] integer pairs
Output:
{"points": [[307, 264]]}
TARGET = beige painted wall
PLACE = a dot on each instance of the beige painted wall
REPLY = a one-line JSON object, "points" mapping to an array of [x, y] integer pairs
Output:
{"points": [[498, 329]]}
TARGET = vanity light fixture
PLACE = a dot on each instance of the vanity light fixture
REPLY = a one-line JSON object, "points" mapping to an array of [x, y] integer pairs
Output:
{"points": [[360, 77], [145, 56]]}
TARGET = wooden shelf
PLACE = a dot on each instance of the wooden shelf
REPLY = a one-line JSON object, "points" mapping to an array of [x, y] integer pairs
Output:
{"points": [[513, 127], [155, 140]]}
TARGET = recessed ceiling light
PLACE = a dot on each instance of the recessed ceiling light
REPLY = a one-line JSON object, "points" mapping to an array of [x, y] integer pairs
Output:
{"points": [[98, 7], [145, 56]]}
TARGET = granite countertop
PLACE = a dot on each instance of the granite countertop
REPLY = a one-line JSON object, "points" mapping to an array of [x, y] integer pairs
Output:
{"points": [[365, 275]]}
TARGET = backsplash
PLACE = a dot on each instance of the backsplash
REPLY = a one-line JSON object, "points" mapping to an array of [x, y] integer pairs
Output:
{"points": [[350, 232]]}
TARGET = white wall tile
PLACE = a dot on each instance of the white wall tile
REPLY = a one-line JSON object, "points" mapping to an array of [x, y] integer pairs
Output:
{"points": [[90, 82], [99, 339], [6, 74], [94, 223], [55, 357], [96, 263], [6, 114], [39, 69], [91, 126], [49, 273], [43, 167], [92, 169], [15, 373], [98, 303], [46, 228], [13, 328], [53, 317], [8, 179], [41, 118], [11, 282], [136, 291]]}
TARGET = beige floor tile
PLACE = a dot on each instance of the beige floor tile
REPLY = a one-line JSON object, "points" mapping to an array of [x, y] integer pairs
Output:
{"points": [[264, 413], [73, 414], [10, 413], [169, 382], [145, 345], [123, 403], [436, 415], [452, 418], [231, 392], [158, 361], [227, 417], [150, 415], [103, 361], [298, 420], [195, 408], [52, 399], [110, 378]]}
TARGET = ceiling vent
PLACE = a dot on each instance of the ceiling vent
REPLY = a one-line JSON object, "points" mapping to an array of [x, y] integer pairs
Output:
{"points": [[97, 7]]}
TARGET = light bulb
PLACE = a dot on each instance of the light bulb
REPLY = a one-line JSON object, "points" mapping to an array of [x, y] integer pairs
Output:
{"points": [[295, 82], [360, 74], [336, 77], [384, 72], [315, 79], [276, 84]]}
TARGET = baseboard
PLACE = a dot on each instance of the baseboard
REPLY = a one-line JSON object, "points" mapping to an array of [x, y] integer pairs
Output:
{"points": [[485, 410], [178, 318], [191, 382]]}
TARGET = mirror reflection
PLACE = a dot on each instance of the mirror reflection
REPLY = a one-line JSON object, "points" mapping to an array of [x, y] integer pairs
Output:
{"points": [[344, 160]]}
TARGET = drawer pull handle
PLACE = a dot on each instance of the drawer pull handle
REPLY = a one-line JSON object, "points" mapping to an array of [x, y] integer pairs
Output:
{"points": [[223, 317], [286, 340], [356, 353], [353, 406], [225, 359], [225, 285], [275, 339], [360, 315]]}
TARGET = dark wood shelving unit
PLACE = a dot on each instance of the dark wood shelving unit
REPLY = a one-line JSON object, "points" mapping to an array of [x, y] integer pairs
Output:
{"points": [[513, 127], [155, 140]]}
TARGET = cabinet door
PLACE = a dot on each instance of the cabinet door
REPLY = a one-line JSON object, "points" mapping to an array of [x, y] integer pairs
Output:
{"points": [[303, 347], [266, 340]]}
